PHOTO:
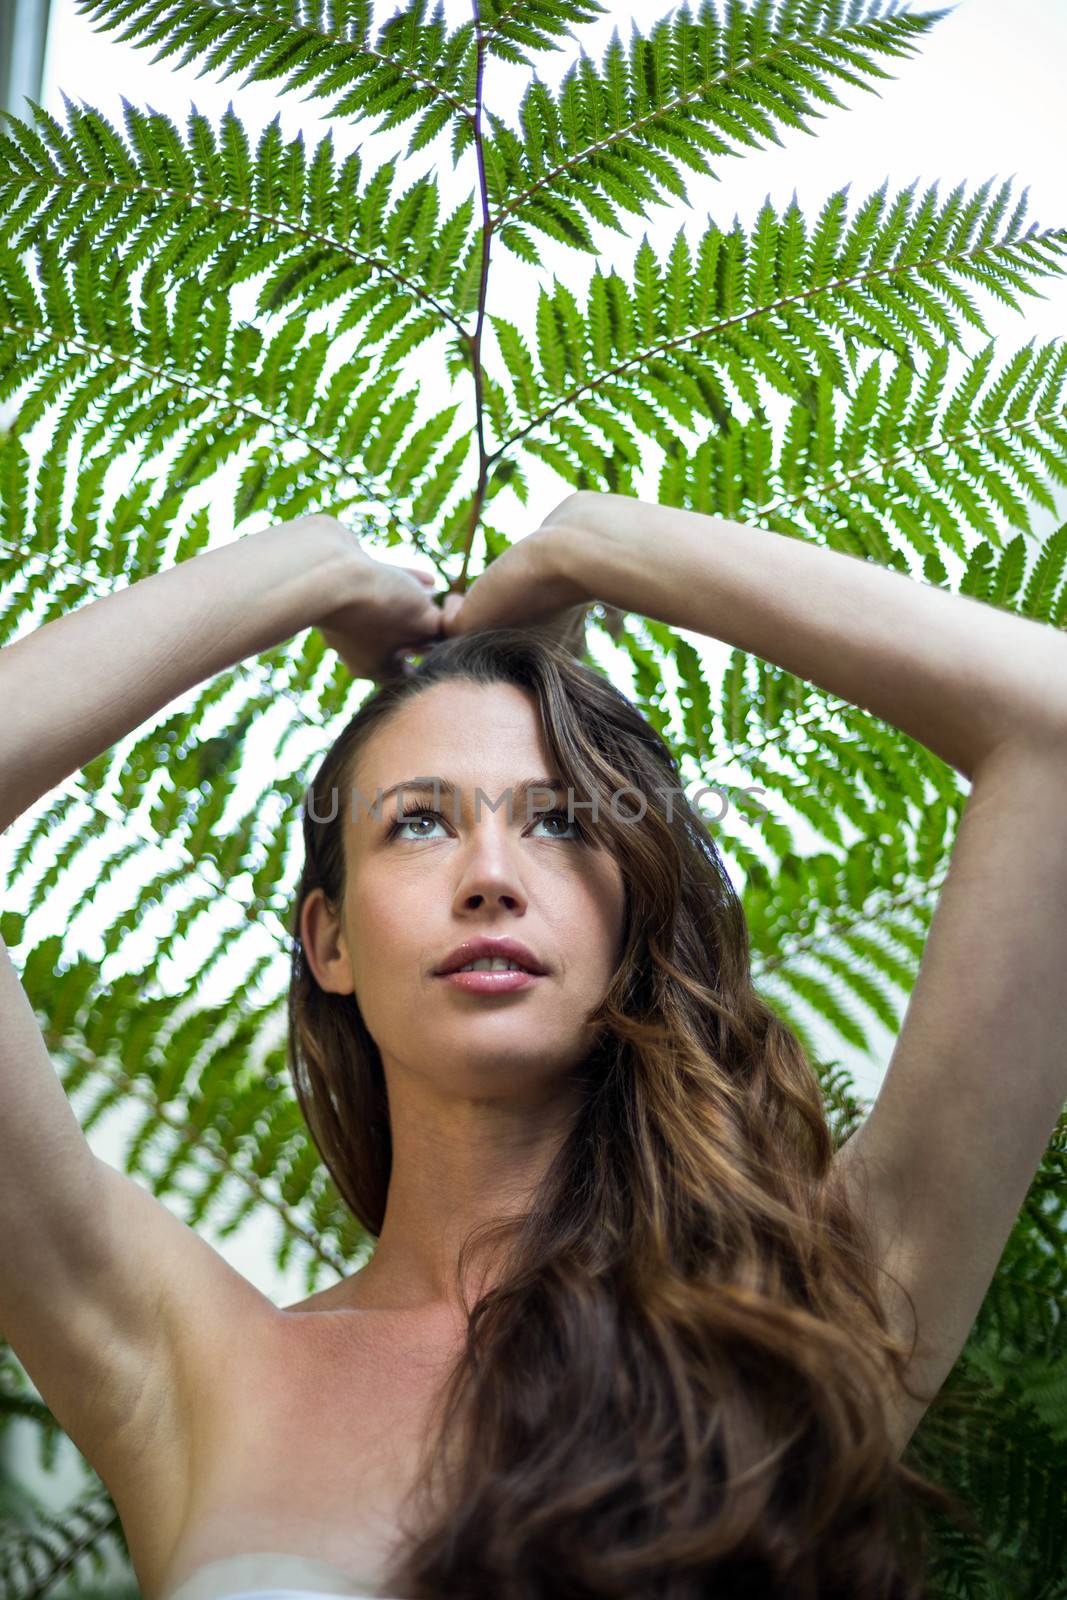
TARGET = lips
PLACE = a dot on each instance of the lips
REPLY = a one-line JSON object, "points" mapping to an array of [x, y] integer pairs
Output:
{"points": [[483, 948]]}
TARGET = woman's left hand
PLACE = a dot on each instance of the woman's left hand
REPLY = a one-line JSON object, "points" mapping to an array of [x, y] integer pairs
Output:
{"points": [[529, 585]]}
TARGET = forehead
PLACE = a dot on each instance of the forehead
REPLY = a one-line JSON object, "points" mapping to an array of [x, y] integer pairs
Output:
{"points": [[467, 732]]}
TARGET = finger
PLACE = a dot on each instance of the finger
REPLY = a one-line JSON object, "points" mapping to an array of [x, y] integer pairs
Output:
{"points": [[428, 578], [426, 625]]}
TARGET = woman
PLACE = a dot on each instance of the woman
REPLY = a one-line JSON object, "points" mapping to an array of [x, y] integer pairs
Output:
{"points": [[631, 1327]]}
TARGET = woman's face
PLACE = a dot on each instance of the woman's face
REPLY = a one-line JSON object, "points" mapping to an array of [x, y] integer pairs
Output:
{"points": [[416, 891]]}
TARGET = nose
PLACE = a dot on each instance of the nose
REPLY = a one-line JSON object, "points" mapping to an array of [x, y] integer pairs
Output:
{"points": [[490, 873]]}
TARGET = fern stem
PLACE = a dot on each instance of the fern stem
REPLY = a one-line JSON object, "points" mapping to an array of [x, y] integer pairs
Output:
{"points": [[268, 678], [474, 341], [1044, 1290], [63, 1563], [1012, 425], [216, 884], [892, 901]]}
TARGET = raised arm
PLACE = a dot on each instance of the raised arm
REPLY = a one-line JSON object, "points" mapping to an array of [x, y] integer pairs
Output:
{"points": [[978, 1076], [95, 1274], [956, 674], [73, 688]]}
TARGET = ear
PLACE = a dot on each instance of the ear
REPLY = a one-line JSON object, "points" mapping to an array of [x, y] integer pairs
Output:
{"points": [[325, 946]]}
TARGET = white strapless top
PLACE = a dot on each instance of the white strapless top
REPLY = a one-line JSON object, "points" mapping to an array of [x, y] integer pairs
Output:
{"points": [[270, 1575], [288, 1594]]}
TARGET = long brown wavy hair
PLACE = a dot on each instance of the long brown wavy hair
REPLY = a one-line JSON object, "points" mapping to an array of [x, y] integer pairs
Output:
{"points": [[675, 1387]]}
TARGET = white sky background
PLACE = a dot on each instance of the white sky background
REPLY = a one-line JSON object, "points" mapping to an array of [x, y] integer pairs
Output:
{"points": [[983, 100]]}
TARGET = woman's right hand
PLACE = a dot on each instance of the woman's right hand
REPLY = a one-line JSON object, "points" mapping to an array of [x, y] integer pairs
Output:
{"points": [[384, 612]]}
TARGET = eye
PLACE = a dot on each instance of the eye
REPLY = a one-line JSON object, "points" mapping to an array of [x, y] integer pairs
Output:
{"points": [[427, 813], [549, 816], [409, 814]]}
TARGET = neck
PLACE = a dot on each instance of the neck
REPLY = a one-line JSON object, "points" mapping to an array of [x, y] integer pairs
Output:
{"points": [[456, 1166]]}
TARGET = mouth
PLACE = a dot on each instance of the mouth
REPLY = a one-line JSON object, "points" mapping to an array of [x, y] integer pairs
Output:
{"points": [[491, 956], [487, 981]]}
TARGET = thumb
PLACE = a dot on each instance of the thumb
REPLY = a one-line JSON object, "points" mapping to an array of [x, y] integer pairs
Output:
{"points": [[453, 603]]}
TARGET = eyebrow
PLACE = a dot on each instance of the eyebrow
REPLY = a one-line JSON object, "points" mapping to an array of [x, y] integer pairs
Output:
{"points": [[445, 786]]}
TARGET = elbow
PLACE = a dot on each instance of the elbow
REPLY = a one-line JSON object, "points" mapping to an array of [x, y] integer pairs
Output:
{"points": [[1034, 743], [1027, 709]]}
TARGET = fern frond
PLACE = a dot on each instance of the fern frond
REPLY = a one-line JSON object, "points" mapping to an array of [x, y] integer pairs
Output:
{"points": [[832, 910], [206, 205], [178, 372], [202, 1102], [996, 1447], [617, 137], [412, 66], [128, 256], [691, 332], [54, 1547], [512, 27], [911, 463]]}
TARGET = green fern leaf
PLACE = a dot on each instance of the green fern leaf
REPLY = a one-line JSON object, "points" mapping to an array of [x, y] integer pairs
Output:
{"points": [[696, 87], [411, 65]]}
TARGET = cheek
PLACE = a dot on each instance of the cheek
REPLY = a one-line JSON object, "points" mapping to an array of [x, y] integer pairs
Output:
{"points": [[592, 935], [383, 931], [606, 904]]}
